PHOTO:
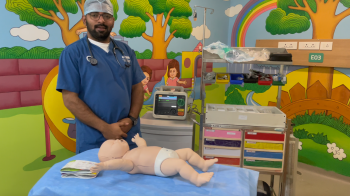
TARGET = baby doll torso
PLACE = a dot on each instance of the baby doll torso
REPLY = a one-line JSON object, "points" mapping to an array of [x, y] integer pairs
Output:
{"points": [[143, 159]]}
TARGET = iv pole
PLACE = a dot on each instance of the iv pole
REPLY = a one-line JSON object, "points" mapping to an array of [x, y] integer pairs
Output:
{"points": [[202, 86]]}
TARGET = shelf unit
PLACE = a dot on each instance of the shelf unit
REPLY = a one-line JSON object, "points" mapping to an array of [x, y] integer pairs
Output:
{"points": [[213, 135]]}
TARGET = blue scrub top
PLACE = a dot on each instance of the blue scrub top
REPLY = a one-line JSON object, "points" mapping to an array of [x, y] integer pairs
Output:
{"points": [[105, 87]]}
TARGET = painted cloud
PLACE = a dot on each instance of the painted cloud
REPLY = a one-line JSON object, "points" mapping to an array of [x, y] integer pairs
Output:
{"points": [[198, 32], [30, 32], [234, 10]]}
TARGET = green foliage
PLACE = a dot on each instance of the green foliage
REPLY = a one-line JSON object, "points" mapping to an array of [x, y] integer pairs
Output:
{"points": [[301, 134], [235, 98], [27, 13], [138, 8], [18, 52], [284, 5], [173, 55], [115, 8], [319, 138], [182, 8], [232, 87], [178, 20], [256, 87], [346, 3], [159, 6], [69, 6], [280, 23], [25, 9], [132, 27], [147, 54], [323, 119], [183, 28]]}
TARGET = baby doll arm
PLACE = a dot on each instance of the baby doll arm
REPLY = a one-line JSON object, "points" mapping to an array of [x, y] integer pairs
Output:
{"points": [[114, 164], [140, 142]]}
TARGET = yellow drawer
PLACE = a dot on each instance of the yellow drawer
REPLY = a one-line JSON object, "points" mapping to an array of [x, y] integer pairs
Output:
{"points": [[263, 145]]}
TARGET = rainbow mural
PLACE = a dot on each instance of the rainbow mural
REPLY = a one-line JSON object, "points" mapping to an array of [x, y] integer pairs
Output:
{"points": [[248, 14]]}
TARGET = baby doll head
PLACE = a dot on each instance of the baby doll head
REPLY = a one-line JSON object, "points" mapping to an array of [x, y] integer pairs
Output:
{"points": [[113, 149]]}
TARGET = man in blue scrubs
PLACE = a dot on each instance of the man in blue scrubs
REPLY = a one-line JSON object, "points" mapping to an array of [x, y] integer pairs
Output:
{"points": [[106, 98]]}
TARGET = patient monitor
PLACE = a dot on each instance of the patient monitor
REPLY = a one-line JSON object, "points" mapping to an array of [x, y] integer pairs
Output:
{"points": [[170, 102]]}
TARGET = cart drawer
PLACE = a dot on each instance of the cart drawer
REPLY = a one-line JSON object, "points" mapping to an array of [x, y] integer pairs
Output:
{"points": [[260, 163], [264, 136], [261, 154], [223, 160], [263, 145], [219, 142], [223, 134], [222, 152]]}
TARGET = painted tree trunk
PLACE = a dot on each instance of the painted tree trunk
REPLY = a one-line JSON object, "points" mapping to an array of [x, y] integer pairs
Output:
{"points": [[324, 23], [69, 36], [158, 41]]}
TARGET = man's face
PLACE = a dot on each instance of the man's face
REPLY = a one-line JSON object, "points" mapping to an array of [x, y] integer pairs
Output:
{"points": [[99, 25]]}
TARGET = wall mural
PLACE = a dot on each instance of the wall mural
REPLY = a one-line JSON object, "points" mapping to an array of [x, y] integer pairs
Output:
{"points": [[31, 107], [315, 98]]}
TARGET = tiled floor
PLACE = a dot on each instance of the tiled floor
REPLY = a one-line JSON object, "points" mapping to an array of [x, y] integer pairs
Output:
{"points": [[316, 182]]}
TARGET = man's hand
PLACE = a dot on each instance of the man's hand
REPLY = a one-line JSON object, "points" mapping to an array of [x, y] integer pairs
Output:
{"points": [[128, 124], [114, 131]]}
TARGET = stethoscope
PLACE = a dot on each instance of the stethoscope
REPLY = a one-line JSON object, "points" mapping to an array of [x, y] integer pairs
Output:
{"points": [[94, 62]]}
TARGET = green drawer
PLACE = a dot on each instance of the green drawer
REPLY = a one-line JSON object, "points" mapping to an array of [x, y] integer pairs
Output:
{"points": [[260, 163]]}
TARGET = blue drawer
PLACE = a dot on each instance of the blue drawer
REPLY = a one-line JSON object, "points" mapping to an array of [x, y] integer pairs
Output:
{"points": [[260, 154]]}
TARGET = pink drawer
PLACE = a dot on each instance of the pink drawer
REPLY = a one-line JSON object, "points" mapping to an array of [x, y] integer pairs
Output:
{"points": [[222, 133]]}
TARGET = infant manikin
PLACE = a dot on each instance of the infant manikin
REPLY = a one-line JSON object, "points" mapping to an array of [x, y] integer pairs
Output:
{"points": [[152, 160]]}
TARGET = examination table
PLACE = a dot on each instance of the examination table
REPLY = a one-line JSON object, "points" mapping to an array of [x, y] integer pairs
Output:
{"points": [[227, 180]]}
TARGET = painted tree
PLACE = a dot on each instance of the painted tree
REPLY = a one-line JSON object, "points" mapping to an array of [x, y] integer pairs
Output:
{"points": [[293, 16], [46, 12], [175, 13]]}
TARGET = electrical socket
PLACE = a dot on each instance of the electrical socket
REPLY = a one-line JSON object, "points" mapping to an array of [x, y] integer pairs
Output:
{"points": [[309, 45], [288, 45], [326, 46]]}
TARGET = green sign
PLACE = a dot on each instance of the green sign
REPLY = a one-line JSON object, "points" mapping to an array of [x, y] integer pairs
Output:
{"points": [[316, 57]]}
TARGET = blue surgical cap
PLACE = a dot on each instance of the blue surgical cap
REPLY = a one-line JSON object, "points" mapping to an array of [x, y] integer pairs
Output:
{"points": [[98, 6]]}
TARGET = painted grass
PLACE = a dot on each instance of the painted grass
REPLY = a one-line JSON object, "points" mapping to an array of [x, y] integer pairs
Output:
{"points": [[317, 155], [23, 147]]}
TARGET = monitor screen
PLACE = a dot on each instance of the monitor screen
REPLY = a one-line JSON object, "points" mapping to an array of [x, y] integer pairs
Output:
{"points": [[173, 105]]}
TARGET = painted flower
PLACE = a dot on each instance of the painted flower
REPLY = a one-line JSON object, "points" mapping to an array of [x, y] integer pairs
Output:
{"points": [[332, 148], [339, 154], [300, 145]]}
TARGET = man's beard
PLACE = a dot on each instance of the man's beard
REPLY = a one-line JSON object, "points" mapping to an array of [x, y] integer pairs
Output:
{"points": [[98, 36]]}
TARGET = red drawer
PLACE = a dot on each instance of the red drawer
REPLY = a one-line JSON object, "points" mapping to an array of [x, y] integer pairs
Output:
{"points": [[226, 161], [264, 136]]}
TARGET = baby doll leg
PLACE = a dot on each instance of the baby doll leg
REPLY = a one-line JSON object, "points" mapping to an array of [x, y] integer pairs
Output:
{"points": [[193, 158], [172, 166]]}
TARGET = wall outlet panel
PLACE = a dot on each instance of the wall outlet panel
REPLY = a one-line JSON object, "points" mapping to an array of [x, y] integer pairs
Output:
{"points": [[309, 45], [288, 45], [326, 46]]}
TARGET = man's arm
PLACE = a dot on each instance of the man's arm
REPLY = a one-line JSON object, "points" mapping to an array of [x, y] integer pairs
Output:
{"points": [[81, 111], [137, 97], [136, 100]]}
